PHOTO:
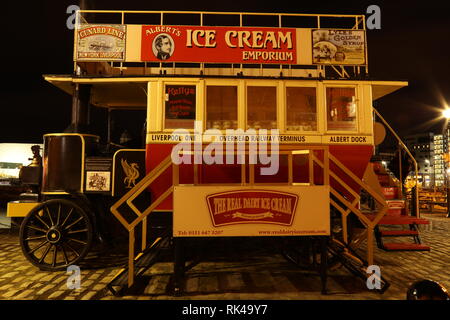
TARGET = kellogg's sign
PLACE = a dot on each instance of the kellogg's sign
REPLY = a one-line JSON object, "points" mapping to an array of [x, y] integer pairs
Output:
{"points": [[218, 44], [252, 206]]}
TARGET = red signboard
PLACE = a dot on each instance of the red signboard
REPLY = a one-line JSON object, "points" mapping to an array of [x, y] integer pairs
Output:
{"points": [[389, 192], [218, 44], [224, 211], [252, 206]]}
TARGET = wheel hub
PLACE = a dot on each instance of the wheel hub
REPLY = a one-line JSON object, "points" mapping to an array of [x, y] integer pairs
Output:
{"points": [[53, 235]]}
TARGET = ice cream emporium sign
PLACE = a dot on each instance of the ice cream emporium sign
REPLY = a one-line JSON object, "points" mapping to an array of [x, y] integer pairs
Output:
{"points": [[218, 44], [250, 211]]}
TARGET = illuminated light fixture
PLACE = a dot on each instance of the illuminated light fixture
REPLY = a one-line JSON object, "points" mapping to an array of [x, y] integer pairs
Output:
{"points": [[446, 113]]}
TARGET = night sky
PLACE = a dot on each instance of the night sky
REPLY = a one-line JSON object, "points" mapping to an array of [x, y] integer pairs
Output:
{"points": [[412, 45]]}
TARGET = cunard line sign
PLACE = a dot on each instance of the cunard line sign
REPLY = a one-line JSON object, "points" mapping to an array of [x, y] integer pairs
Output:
{"points": [[101, 42]]}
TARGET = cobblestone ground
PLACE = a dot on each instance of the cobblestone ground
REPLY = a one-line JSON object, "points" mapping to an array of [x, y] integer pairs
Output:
{"points": [[238, 276]]}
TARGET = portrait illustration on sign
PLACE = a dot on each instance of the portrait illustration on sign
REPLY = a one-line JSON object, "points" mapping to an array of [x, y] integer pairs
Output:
{"points": [[163, 46]]}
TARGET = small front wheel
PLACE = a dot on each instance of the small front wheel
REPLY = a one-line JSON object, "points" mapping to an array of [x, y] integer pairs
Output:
{"points": [[55, 234]]}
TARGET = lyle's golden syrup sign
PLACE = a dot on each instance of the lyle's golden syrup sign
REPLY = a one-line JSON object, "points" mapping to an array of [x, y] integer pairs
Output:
{"points": [[250, 206], [97, 42], [341, 47], [218, 44]]}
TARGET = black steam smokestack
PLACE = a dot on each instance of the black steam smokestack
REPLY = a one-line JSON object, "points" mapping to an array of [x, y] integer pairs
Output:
{"points": [[80, 109], [80, 101]]}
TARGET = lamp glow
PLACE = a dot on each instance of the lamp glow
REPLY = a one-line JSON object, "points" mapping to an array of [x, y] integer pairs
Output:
{"points": [[446, 113]]}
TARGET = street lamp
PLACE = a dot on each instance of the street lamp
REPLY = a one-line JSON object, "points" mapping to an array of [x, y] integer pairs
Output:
{"points": [[446, 115]]}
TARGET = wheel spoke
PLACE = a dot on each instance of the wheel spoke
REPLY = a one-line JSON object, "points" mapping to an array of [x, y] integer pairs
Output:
{"points": [[71, 248], [42, 221], [65, 255], [35, 238], [59, 215], [77, 231], [76, 240], [55, 254], [67, 217], [38, 246], [45, 253], [37, 229], [71, 225], [49, 215]]}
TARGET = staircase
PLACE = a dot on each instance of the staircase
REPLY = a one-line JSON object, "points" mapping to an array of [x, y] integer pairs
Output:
{"points": [[142, 262], [397, 223]]}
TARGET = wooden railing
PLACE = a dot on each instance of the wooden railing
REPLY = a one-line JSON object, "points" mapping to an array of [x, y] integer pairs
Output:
{"points": [[239, 19], [353, 206], [313, 163], [199, 17], [403, 148]]}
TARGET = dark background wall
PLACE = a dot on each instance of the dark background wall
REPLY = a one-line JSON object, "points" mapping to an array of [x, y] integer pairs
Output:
{"points": [[412, 45]]}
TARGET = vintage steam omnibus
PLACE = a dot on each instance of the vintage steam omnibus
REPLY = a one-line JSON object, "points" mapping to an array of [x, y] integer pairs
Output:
{"points": [[242, 125]]}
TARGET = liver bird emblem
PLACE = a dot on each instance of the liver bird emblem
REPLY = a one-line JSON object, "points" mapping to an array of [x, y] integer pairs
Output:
{"points": [[131, 172]]}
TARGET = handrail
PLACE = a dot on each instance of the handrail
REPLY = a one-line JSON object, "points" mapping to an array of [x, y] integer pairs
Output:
{"points": [[142, 185], [227, 13], [339, 21], [324, 165], [130, 227], [416, 169], [166, 164], [351, 206]]}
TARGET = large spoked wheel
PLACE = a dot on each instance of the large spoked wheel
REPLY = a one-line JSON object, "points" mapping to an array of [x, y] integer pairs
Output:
{"points": [[55, 234]]}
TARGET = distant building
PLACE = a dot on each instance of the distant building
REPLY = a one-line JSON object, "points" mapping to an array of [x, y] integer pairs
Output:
{"points": [[431, 152], [439, 163], [441, 157], [423, 148]]}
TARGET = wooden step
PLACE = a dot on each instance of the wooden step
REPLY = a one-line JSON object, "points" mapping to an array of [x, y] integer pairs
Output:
{"points": [[395, 207], [398, 233], [394, 212], [397, 220], [396, 203], [405, 247], [401, 220], [142, 262]]}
